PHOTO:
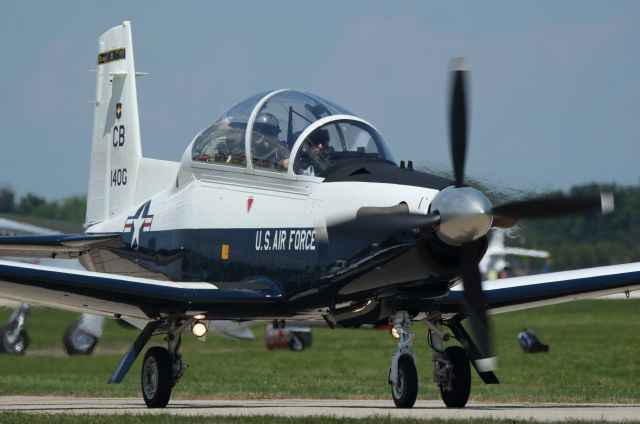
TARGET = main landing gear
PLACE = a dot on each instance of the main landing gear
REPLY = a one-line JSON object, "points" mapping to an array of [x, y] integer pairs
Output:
{"points": [[162, 367], [82, 336], [451, 370]]}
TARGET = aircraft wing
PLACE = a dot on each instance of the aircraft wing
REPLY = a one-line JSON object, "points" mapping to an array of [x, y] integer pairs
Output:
{"points": [[118, 295], [525, 252], [512, 294], [61, 246]]}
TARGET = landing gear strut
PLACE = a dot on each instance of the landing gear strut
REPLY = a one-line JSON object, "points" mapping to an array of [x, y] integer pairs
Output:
{"points": [[451, 366], [162, 368], [403, 376], [451, 370]]}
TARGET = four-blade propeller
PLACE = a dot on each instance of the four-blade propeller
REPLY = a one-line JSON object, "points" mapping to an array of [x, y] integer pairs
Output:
{"points": [[461, 215]]}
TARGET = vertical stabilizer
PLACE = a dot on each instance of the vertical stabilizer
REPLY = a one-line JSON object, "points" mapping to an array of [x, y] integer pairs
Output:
{"points": [[115, 150]]}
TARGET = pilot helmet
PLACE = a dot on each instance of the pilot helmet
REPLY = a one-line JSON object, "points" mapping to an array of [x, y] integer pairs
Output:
{"points": [[319, 137], [267, 124]]}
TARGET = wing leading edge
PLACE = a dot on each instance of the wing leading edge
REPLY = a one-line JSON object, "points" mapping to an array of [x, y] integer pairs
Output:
{"points": [[512, 294], [109, 294]]}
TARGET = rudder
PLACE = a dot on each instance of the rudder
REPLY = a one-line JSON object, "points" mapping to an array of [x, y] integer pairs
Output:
{"points": [[116, 147]]}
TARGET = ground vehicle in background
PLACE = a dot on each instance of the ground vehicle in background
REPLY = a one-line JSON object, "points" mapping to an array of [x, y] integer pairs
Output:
{"points": [[81, 336]]}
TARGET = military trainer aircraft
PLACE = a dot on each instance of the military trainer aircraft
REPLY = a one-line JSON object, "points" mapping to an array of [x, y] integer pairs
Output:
{"points": [[287, 207]]}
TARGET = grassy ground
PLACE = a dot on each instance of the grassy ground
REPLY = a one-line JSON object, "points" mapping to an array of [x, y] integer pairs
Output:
{"points": [[594, 354]]}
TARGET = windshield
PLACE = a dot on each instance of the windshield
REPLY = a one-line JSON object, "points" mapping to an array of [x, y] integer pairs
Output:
{"points": [[335, 142], [278, 124], [273, 122]]}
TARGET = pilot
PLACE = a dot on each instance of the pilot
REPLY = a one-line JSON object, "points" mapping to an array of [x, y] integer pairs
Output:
{"points": [[313, 158], [268, 151]]}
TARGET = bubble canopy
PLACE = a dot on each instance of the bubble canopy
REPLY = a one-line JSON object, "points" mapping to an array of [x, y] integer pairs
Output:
{"points": [[287, 131]]}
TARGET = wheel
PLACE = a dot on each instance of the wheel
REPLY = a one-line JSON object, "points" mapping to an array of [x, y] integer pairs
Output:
{"points": [[77, 341], [11, 343], [458, 396], [156, 378], [405, 389], [306, 337]]}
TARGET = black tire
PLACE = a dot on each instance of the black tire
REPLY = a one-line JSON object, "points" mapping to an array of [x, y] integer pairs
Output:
{"points": [[77, 341], [405, 391], [16, 347], [306, 337], [461, 385], [156, 377]]}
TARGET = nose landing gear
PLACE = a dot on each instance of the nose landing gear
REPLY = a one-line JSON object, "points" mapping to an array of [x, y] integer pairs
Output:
{"points": [[451, 369], [403, 376]]}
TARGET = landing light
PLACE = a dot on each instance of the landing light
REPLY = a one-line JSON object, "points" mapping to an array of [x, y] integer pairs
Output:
{"points": [[199, 329], [394, 333]]}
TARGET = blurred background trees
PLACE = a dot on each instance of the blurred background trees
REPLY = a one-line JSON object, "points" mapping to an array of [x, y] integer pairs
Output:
{"points": [[71, 209]]}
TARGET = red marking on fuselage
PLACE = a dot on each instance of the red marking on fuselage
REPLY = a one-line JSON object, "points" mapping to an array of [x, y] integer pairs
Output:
{"points": [[249, 204]]}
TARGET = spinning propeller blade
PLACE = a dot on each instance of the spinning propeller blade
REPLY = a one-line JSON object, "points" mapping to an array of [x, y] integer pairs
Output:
{"points": [[475, 306], [458, 120], [385, 223], [473, 294], [508, 214]]}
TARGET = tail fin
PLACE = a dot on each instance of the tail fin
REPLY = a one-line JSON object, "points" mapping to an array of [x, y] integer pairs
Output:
{"points": [[116, 151]]}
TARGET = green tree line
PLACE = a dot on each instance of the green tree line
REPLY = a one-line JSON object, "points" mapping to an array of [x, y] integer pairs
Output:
{"points": [[588, 239], [70, 209]]}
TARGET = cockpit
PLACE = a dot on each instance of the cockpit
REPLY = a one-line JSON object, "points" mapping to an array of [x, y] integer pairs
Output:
{"points": [[286, 132]]}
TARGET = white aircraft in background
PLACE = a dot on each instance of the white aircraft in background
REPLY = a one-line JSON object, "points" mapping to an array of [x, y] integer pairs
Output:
{"points": [[287, 206], [494, 260]]}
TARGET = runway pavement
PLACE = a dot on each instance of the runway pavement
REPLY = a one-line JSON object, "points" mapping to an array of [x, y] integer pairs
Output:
{"points": [[340, 408]]}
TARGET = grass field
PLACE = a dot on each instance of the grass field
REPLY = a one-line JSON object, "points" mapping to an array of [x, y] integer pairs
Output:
{"points": [[595, 346]]}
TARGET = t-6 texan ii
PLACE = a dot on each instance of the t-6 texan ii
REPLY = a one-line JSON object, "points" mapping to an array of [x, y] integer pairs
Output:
{"points": [[287, 207]]}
